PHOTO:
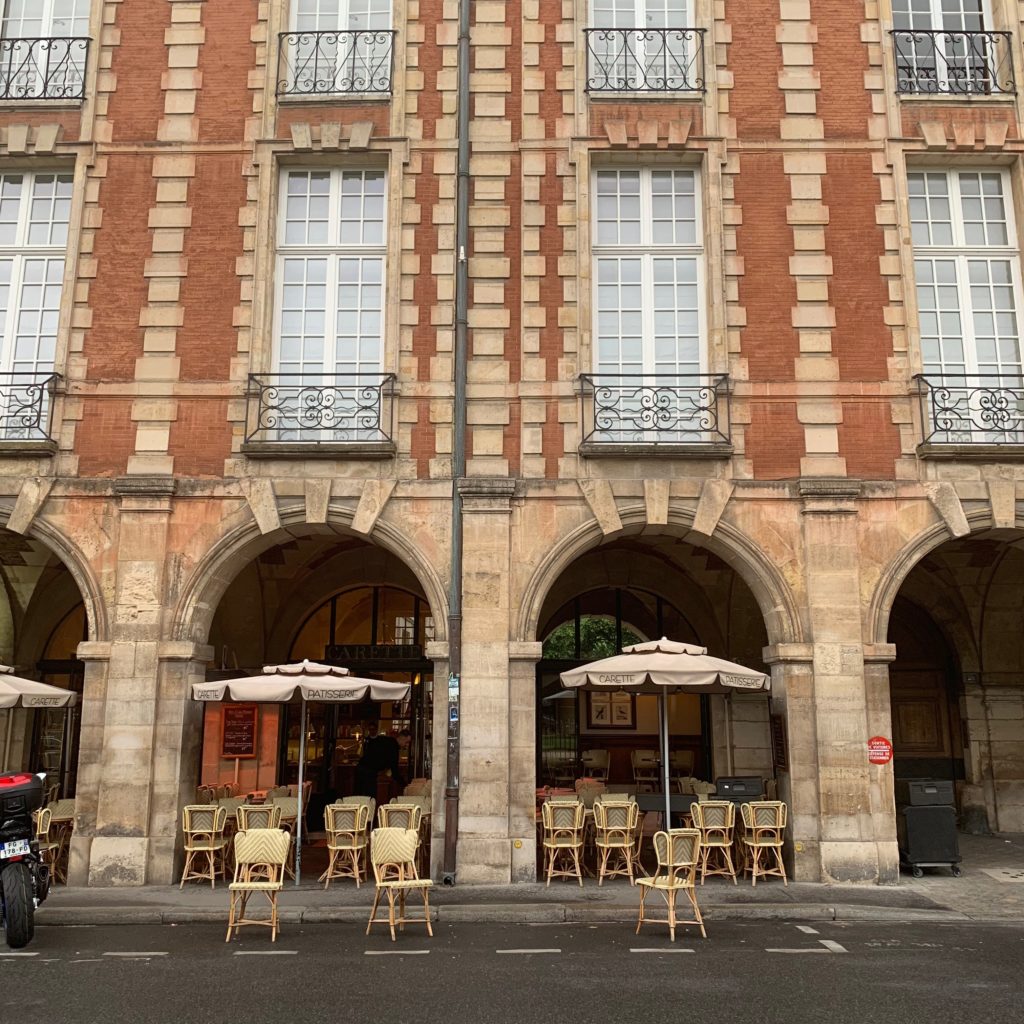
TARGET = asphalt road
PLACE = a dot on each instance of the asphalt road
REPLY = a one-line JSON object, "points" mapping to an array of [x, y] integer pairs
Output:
{"points": [[761, 972]]}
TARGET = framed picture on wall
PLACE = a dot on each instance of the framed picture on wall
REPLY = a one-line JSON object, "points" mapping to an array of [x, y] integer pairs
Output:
{"points": [[611, 710]]}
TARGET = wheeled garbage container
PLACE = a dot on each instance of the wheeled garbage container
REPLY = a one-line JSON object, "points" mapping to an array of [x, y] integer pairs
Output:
{"points": [[926, 825]]}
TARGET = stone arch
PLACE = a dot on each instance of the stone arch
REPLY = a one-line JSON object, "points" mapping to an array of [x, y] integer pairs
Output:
{"points": [[775, 600], [76, 563], [216, 570], [912, 553]]}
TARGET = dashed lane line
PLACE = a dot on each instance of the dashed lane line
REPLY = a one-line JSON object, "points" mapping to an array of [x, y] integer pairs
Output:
{"points": [[266, 952], [812, 950], [527, 951], [653, 949], [807, 929], [13, 953], [395, 952], [135, 955], [833, 947]]}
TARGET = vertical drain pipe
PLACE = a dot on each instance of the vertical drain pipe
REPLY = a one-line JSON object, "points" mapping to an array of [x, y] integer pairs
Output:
{"points": [[451, 792]]}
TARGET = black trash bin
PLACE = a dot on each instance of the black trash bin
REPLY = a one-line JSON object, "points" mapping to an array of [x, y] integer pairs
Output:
{"points": [[926, 825]]}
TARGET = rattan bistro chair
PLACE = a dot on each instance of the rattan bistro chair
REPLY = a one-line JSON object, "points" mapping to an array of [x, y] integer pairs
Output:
{"points": [[615, 826], [563, 839], [716, 821], [678, 852], [48, 848], [595, 764], [764, 823], [260, 857], [251, 816], [203, 826], [393, 856], [645, 769], [346, 826]]}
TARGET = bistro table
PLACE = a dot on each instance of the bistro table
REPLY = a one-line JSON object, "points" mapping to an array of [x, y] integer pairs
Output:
{"points": [[679, 803]]}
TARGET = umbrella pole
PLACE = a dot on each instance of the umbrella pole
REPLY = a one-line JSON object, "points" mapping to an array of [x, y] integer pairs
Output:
{"points": [[7, 742], [302, 773], [663, 708]]}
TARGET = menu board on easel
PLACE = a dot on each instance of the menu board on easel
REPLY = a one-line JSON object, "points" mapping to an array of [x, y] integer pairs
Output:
{"points": [[238, 733]]}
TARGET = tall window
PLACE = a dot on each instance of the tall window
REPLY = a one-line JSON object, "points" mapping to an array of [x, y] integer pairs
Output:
{"points": [[649, 306], [648, 256], [967, 267], [648, 44], [34, 214], [340, 46], [43, 49], [331, 273], [948, 46]]}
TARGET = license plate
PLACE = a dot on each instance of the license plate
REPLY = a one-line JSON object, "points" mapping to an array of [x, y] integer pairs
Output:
{"points": [[15, 848]]}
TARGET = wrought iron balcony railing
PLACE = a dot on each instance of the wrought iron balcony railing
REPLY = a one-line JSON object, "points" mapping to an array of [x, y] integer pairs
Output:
{"points": [[43, 69], [655, 411], [321, 410], [980, 409], [26, 404], [953, 63], [330, 63], [645, 60]]}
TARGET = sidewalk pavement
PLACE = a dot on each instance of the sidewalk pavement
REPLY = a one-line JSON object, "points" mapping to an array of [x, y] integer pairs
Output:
{"points": [[991, 889]]}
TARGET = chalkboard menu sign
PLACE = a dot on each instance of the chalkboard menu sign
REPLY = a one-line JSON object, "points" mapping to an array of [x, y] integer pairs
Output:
{"points": [[780, 754], [238, 735]]}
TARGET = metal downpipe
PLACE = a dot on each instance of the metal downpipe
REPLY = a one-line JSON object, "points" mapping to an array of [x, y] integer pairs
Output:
{"points": [[451, 792]]}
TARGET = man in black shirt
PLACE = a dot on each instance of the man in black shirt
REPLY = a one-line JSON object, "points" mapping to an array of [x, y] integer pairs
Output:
{"points": [[380, 754]]}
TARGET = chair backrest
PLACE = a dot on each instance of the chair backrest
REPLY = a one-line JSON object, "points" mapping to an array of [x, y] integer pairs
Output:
{"points": [[289, 806], [417, 787], [275, 791], [595, 758], [677, 850], [616, 816], [714, 814], [206, 794], [682, 761], [403, 815], [764, 814], [252, 816], [263, 848], [43, 817], [562, 815], [208, 819], [644, 758], [226, 789], [393, 848], [347, 817]]}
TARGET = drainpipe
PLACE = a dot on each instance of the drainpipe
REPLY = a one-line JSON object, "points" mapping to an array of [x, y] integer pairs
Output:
{"points": [[451, 791]]}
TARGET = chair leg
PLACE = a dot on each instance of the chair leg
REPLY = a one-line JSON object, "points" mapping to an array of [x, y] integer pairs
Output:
{"points": [[704, 852], [188, 864], [426, 910], [231, 917], [373, 911], [727, 855], [576, 862], [782, 866], [696, 912], [640, 919], [273, 917], [671, 897], [603, 866], [755, 865], [391, 912]]}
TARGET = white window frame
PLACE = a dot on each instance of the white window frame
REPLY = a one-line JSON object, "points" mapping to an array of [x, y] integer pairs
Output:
{"points": [[20, 391], [47, 18], [937, 15], [648, 251], [344, 21], [643, 11], [349, 396], [958, 409]]}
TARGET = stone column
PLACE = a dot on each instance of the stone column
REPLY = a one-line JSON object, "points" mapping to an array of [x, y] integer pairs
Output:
{"points": [[123, 734], [437, 651], [522, 759], [484, 805], [877, 658], [851, 847]]}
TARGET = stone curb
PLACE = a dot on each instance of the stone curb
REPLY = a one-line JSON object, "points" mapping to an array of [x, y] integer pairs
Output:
{"points": [[483, 913]]}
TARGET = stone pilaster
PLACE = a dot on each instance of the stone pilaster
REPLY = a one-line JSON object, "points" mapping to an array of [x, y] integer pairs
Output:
{"points": [[486, 720], [522, 765]]}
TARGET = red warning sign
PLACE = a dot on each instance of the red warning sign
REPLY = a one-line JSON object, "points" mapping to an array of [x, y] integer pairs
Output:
{"points": [[879, 750]]}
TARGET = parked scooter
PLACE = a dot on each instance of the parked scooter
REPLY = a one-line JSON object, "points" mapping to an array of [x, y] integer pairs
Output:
{"points": [[24, 877]]}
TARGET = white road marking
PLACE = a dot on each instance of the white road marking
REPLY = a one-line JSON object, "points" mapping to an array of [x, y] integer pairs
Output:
{"points": [[396, 952], [659, 951], [94, 960], [527, 951], [135, 956], [796, 951], [266, 952], [13, 953], [832, 947], [807, 929]]}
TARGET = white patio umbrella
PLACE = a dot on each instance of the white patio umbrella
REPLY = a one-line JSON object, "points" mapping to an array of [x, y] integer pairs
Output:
{"points": [[662, 667], [305, 681], [16, 692]]}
